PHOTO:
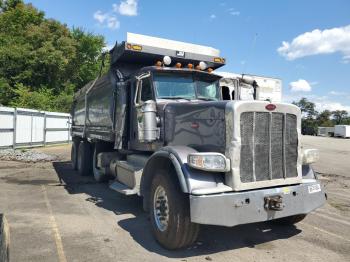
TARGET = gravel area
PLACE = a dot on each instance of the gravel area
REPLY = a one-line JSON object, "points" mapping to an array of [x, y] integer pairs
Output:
{"points": [[25, 155]]}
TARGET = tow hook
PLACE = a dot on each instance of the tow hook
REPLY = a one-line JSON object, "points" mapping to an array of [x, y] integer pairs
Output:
{"points": [[273, 203]]}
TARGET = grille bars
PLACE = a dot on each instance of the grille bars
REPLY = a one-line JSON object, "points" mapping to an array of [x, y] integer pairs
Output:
{"points": [[284, 131], [253, 146], [270, 135]]}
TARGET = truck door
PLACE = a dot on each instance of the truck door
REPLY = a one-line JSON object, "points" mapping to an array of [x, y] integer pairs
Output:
{"points": [[143, 95]]}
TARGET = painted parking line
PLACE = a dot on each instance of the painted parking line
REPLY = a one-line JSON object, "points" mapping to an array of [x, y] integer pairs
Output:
{"points": [[54, 227], [325, 231]]}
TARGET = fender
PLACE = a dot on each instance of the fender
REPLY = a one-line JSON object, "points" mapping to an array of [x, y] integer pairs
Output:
{"points": [[189, 179]]}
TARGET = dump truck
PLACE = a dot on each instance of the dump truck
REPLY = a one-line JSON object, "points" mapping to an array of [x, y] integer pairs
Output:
{"points": [[155, 125]]}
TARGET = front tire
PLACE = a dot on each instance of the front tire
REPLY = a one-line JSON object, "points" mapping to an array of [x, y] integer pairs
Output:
{"points": [[85, 159], [170, 212]]}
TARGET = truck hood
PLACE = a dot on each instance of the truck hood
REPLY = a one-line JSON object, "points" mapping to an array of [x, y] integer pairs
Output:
{"points": [[200, 125]]}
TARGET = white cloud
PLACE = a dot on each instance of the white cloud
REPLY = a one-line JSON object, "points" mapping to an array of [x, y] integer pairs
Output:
{"points": [[113, 22], [110, 19], [233, 12], [325, 104], [100, 17], [300, 85], [336, 93], [212, 16], [107, 20], [127, 7], [321, 102], [318, 42]]}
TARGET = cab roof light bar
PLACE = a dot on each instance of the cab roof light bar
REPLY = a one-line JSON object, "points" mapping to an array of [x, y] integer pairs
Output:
{"points": [[142, 50]]}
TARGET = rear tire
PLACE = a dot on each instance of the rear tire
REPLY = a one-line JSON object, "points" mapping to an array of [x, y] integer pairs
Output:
{"points": [[291, 220], [170, 212], [99, 174], [74, 154], [85, 159]]}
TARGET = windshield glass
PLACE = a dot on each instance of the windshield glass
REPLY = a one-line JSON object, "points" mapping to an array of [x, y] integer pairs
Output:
{"points": [[186, 86]]}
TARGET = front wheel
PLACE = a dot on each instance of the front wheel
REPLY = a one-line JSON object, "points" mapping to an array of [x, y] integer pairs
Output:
{"points": [[170, 213]]}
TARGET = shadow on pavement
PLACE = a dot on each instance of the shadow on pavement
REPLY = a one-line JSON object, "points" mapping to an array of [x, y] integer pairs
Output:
{"points": [[212, 239]]}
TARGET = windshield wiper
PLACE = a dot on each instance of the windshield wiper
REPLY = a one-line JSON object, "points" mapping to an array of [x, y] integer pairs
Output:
{"points": [[174, 97]]}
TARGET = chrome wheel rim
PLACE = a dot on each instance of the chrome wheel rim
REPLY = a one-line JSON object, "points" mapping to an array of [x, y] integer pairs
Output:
{"points": [[161, 208]]}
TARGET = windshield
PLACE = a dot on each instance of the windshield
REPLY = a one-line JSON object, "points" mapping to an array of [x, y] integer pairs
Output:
{"points": [[186, 86]]}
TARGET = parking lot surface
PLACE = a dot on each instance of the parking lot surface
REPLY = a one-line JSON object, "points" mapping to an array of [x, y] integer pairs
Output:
{"points": [[56, 215]]}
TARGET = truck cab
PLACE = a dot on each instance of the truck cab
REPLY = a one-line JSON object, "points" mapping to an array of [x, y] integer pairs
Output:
{"points": [[157, 126]]}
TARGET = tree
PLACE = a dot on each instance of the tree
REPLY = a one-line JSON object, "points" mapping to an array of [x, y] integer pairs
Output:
{"points": [[324, 118], [339, 116], [306, 107], [308, 122], [42, 58]]}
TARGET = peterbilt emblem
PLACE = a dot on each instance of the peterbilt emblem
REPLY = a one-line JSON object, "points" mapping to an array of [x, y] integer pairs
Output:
{"points": [[194, 125], [270, 107]]}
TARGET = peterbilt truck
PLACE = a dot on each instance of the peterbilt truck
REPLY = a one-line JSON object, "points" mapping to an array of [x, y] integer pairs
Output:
{"points": [[156, 126]]}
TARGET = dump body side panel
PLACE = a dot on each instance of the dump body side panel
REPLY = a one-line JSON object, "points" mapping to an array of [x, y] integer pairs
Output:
{"points": [[94, 108]]}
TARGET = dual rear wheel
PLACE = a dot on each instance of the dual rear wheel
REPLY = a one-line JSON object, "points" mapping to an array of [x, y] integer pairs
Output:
{"points": [[84, 159]]}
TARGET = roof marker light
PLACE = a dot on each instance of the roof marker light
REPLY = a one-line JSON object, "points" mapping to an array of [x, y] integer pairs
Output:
{"points": [[158, 63], [190, 66], [202, 65], [166, 60], [178, 65], [210, 70]]}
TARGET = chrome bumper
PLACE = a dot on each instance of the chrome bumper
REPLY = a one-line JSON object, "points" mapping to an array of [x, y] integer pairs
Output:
{"points": [[230, 209]]}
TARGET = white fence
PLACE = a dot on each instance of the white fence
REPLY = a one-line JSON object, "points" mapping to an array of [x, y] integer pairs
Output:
{"points": [[20, 127]]}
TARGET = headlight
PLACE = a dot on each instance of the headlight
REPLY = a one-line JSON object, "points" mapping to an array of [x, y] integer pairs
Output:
{"points": [[209, 162], [310, 156]]}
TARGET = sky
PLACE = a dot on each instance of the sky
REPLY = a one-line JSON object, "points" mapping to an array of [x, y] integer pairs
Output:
{"points": [[304, 43]]}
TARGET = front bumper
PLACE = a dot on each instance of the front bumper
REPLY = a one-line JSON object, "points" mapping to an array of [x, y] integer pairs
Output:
{"points": [[230, 209]]}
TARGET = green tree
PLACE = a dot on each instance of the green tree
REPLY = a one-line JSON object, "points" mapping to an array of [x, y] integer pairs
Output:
{"points": [[306, 107], [324, 118], [339, 116], [308, 122], [43, 59]]}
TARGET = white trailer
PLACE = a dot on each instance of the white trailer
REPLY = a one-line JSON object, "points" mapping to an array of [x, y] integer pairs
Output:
{"points": [[342, 131], [325, 131], [267, 88]]}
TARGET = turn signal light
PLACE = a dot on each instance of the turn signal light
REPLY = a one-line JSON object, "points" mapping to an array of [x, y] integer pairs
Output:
{"points": [[190, 66], [210, 70], [137, 47], [178, 65], [159, 63], [219, 60]]}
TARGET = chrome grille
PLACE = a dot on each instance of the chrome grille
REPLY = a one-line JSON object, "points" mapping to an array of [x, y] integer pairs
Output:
{"points": [[269, 146]]}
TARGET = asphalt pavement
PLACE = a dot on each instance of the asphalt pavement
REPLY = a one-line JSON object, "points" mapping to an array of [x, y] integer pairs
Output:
{"points": [[56, 215]]}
